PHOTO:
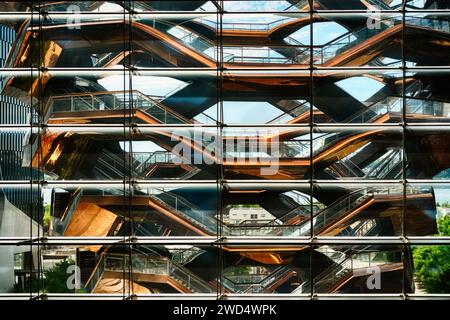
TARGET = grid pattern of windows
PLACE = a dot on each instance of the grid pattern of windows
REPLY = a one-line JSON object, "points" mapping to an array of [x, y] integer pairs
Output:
{"points": [[294, 148]]}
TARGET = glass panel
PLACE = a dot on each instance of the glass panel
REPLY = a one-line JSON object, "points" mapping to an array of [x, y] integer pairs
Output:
{"points": [[358, 210], [22, 211], [360, 5], [170, 41], [55, 269], [418, 46], [16, 151], [429, 266], [425, 205], [357, 40], [15, 29], [266, 97], [86, 98], [82, 153], [257, 210], [145, 98], [183, 153], [175, 97], [172, 5], [180, 210], [73, 7], [81, 211], [354, 97], [268, 153], [19, 271], [265, 269], [427, 152], [84, 269], [426, 99], [221, 148], [258, 40], [349, 153], [266, 6], [176, 269], [73, 40]]}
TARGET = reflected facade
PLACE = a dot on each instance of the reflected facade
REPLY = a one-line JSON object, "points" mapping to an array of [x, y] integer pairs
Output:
{"points": [[224, 148]]}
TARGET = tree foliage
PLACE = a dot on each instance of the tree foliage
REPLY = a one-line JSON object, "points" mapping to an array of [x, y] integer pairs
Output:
{"points": [[432, 263]]}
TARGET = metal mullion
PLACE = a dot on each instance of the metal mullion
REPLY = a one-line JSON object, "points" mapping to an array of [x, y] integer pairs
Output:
{"points": [[38, 244], [127, 272], [404, 164], [40, 69], [237, 241], [31, 181], [220, 127], [131, 124], [311, 151]]}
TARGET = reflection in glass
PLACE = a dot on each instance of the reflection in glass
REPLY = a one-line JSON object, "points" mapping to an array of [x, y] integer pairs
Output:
{"points": [[222, 148]]}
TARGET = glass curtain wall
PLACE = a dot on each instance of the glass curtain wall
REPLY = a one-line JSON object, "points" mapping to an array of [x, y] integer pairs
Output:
{"points": [[224, 149]]}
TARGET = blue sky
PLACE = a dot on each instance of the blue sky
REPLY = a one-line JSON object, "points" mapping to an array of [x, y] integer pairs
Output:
{"points": [[250, 112], [323, 32], [148, 85], [359, 87]]}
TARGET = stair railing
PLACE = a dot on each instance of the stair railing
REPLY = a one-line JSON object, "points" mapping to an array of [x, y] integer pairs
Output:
{"points": [[115, 100], [70, 210], [186, 209]]}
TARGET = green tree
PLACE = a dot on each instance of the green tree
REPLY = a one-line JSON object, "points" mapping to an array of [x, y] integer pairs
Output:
{"points": [[55, 278], [432, 263], [47, 217], [444, 226]]}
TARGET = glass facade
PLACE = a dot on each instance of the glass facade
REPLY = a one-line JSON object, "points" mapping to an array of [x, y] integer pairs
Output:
{"points": [[225, 149]]}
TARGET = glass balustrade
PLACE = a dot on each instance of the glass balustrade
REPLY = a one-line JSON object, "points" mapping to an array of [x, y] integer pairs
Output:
{"points": [[114, 101], [331, 277]]}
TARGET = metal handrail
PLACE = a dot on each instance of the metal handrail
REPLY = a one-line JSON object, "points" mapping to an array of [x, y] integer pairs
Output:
{"points": [[328, 278], [383, 5], [352, 167], [364, 228], [96, 274], [106, 57], [252, 26], [184, 256], [96, 97], [163, 266], [187, 210], [300, 109], [344, 40], [385, 105], [112, 162], [387, 164], [321, 219], [17, 44], [256, 287], [371, 109], [153, 158], [250, 59]]}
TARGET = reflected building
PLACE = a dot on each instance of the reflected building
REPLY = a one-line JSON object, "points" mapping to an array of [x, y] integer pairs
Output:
{"points": [[223, 148], [19, 205]]}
